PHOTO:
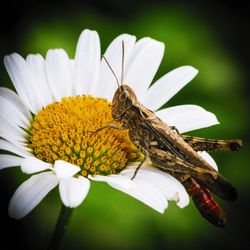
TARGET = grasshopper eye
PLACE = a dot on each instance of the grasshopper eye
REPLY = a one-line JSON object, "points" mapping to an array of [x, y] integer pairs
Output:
{"points": [[123, 96]]}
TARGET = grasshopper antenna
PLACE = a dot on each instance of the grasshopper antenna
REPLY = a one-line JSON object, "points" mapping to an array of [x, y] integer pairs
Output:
{"points": [[117, 81], [122, 69]]}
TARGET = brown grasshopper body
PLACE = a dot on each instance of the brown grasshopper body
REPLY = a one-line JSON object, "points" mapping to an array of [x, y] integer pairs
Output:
{"points": [[176, 154], [173, 153]]}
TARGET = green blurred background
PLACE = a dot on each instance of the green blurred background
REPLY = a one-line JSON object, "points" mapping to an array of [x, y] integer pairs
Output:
{"points": [[211, 37]]}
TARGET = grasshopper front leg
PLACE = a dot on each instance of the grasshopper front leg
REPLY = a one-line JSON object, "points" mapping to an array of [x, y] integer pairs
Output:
{"points": [[113, 126]]}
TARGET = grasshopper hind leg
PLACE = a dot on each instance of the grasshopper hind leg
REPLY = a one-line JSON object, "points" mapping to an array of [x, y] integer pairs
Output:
{"points": [[203, 144]]}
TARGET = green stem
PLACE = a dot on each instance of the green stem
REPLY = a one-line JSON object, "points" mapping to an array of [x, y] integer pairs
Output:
{"points": [[61, 228]]}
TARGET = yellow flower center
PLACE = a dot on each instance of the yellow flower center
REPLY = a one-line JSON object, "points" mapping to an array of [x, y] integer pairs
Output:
{"points": [[66, 131]]}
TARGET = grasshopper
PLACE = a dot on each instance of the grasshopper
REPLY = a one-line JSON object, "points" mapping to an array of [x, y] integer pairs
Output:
{"points": [[174, 153]]}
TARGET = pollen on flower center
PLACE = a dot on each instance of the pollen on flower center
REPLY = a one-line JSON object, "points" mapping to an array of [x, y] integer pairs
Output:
{"points": [[66, 131]]}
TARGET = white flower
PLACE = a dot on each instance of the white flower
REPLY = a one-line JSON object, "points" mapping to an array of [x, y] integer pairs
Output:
{"points": [[40, 82]]}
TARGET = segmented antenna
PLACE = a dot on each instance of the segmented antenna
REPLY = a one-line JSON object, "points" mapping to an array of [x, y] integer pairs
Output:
{"points": [[122, 69], [117, 81]]}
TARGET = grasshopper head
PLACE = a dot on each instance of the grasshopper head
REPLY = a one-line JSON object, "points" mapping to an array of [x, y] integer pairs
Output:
{"points": [[124, 97]]}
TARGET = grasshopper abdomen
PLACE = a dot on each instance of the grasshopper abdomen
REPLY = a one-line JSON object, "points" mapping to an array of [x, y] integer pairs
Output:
{"points": [[205, 203]]}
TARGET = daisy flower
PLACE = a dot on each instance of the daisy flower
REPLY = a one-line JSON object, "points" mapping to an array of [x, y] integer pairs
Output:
{"points": [[47, 127]]}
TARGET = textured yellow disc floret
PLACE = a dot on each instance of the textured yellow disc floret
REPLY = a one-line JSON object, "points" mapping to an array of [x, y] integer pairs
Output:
{"points": [[66, 131]]}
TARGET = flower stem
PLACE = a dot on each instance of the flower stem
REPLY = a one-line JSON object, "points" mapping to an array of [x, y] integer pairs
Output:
{"points": [[61, 228]]}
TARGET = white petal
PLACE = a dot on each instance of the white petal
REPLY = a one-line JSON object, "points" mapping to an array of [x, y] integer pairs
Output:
{"points": [[10, 102], [65, 169], [11, 131], [7, 161], [167, 86], [23, 81], [31, 193], [73, 190], [36, 64], [10, 115], [72, 65], [208, 158], [145, 193], [187, 117], [143, 64], [5, 145], [31, 165], [59, 73], [137, 189], [107, 83], [167, 185], [87, 62], [114, 180], [140, 190], [13, 141]]}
